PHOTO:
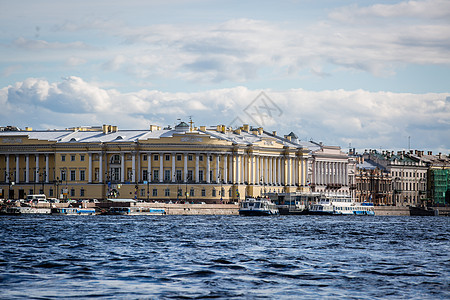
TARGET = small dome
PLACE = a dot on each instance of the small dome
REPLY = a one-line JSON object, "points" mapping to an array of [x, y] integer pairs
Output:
{"points": [[182, 127]]}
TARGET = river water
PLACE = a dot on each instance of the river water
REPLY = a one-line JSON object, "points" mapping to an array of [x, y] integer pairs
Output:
{"points": [[147, 257]]}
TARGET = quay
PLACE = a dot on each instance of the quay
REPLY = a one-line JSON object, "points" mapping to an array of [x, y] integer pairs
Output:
{"points": [[177, 208], [197, 208]]}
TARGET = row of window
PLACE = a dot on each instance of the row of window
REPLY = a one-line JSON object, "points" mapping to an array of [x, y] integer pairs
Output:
{"points": [[116, 159], [72, 157], [73, 175], [181, 193], [408, 174]]}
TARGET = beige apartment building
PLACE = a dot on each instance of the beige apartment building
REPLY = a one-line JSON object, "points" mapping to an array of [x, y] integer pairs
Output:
{"points": [[184, 163]]}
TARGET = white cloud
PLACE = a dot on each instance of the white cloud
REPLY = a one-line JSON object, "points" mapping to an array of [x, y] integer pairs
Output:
{"points": [[366, 119], [377, 39], [428, 9], [75, 61], [44, 45], [240, 49]]}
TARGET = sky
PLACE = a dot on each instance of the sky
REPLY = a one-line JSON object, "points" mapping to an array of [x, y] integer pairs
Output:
{"points": [[360, 74]]}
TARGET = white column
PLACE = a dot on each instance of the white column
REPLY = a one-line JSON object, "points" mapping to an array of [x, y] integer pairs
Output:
{"points": [[90, 167], [46, 168], [173, 167], [302, 172], [306, 171], [330, 172], [278, 163], [161, 166], [333, 172], [244, 169], [294, 171], [185, 171], [269, 159], [17, 168], [133, 167], [225, 168], [7, 169], [149, 166], [139, 170], [346, 174], [323, 173], [252, 170], [289, 171], [317, 171], [208, 168], [282, 163], [238, 177], [197, 159], [36, 173], [266, 170], [257, 169], [27, 168], [100, 167], [217, 168], [122, 168]]}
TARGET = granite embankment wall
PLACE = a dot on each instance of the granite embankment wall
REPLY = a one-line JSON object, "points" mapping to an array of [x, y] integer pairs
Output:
{"points": [[391, 211], [182, 209]]}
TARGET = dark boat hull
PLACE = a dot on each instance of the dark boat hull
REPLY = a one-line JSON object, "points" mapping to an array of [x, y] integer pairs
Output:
{"points": [[256, 213]]}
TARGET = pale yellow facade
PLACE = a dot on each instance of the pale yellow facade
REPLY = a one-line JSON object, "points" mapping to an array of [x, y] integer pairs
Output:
{"points": [[212, 165]]}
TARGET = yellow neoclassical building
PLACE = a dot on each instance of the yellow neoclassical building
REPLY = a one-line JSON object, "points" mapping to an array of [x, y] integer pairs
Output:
{"points": [[185, 163]]}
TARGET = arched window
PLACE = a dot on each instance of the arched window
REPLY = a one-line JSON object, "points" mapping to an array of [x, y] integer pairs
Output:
{"points": [[115, 159]]}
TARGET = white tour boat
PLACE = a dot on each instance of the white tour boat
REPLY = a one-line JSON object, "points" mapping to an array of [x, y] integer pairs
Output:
{"points": [[341, 205], [73, 211], [257, 207], [134, 210]]}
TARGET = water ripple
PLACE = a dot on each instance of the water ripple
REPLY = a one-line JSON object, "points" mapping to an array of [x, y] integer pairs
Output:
{"points": [[229, 257]]}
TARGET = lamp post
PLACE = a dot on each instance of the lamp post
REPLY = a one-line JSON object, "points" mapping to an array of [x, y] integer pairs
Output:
{"points": [[43, 179], [34, 181], [108, 183], [148, 189], [186, 193], [178, 187], [10, 183], [58, 182]]}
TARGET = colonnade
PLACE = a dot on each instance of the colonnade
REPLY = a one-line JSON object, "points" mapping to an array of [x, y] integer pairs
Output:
{"points": [[328, 172], [28, 170], [214, 167]]}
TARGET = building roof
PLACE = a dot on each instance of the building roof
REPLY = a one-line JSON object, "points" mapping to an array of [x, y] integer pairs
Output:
{"points": [[97, 135]]}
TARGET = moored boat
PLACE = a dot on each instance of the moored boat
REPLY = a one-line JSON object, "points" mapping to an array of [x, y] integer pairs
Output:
{"points": [[341, 205], [19, 210], [72, 211], [295, 203], [257, 207], [136, 211]]}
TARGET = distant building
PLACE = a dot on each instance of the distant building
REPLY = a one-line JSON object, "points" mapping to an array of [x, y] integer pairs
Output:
{"points": [[331, 170], [409, 176], [373, 183], [438, 184]]}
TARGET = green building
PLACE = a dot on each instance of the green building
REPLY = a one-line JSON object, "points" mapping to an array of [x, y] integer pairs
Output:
{"points": [[439, 186], [438, 175]]}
